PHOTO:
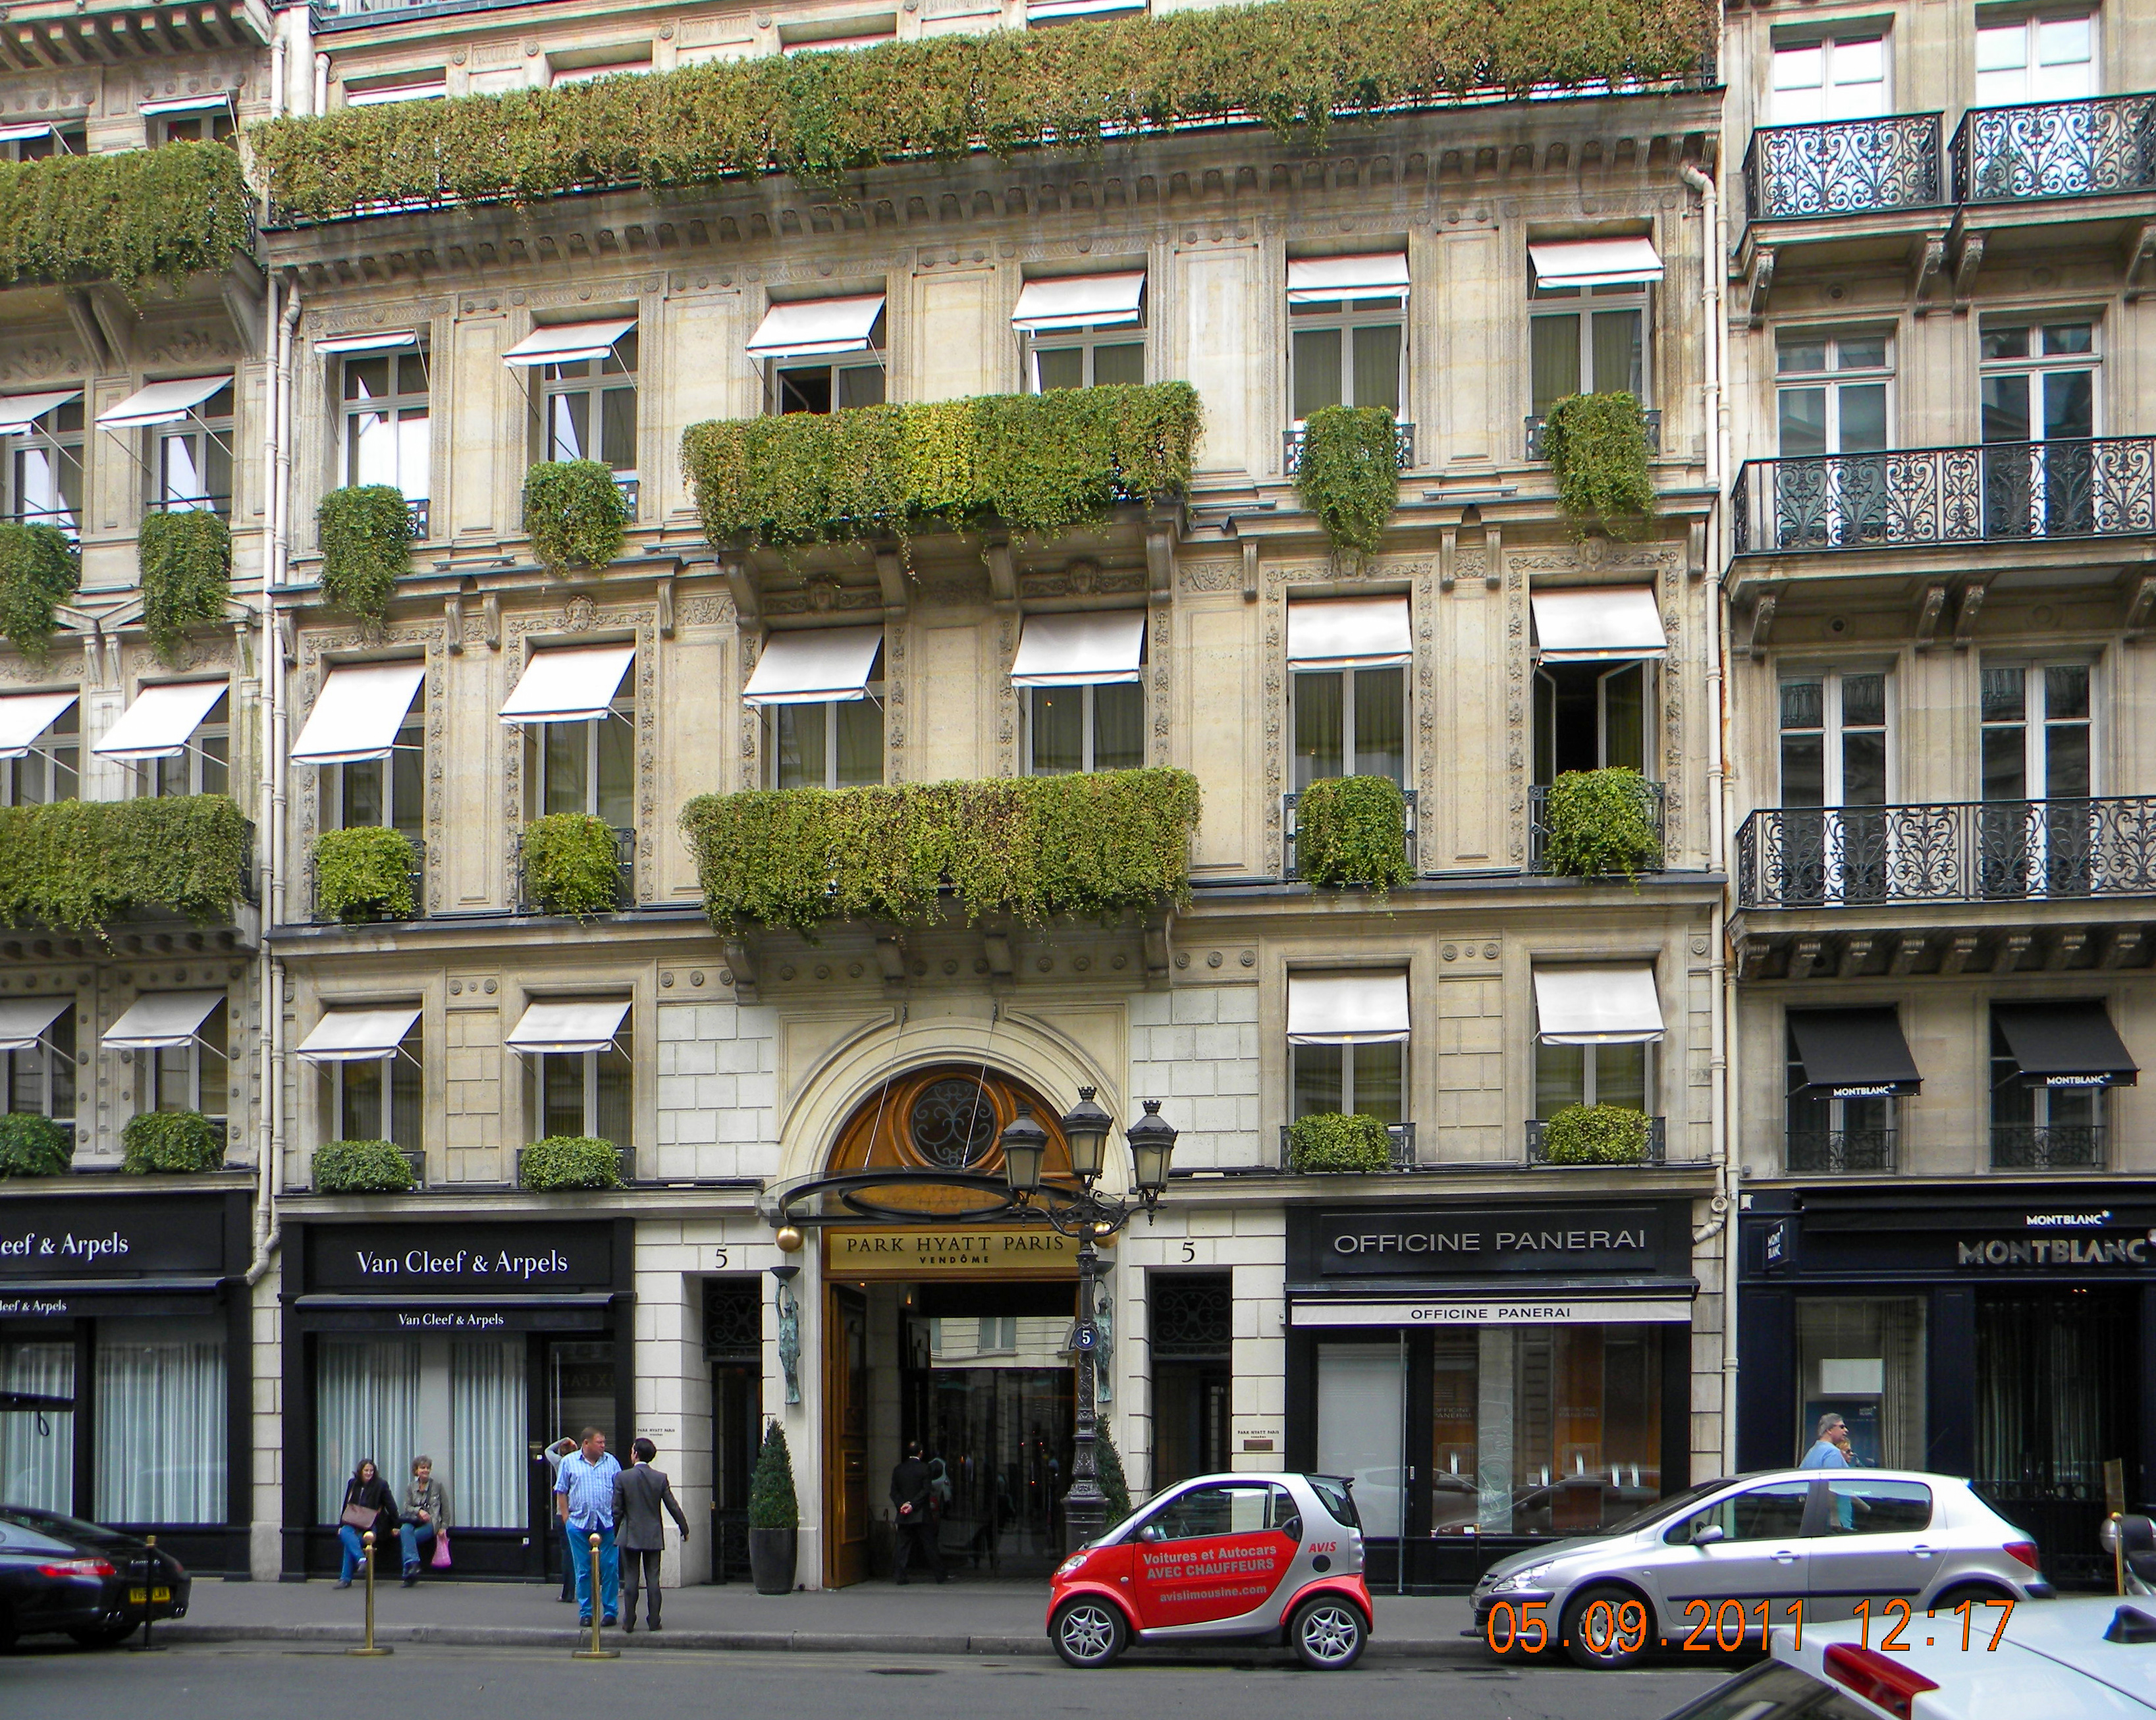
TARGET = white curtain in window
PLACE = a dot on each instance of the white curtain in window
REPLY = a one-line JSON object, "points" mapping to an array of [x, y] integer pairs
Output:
{"points": [[486, 1433], [37, 1446], [367, 1404], [160, 1421]]}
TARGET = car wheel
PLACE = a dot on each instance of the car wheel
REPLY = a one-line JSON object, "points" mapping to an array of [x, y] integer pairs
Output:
{"points": [[1328, 1633], [1949, 1599], [1088, 1632], [1607, 1627]]}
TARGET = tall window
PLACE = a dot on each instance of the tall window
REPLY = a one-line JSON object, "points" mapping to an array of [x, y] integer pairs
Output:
{"points": [[589, 1092], [41, 1080], [1834, 772], [33, 140], [386, 437], [1827, 1132], [2038, 774], [2039, 394], [1347, 1039], [1586, 341], [2035, 59], [1589, 1075], [2066, 1119], [1349, 351], [204, 765], [826, 386], [1350, 722], [1591, 717], [1841, 78], [590, 406], [1086, 358], [380, 1099], [194, 458], [1086, 728], [383, 791], [50, 770], [159, 1409], [1365, 1079], [1831, 393], [195, 1077], [837, 744], [44, 469], [587, 766]]}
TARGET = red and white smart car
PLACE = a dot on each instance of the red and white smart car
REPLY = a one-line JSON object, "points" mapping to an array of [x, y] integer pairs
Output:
{"points": [[1247, 1557]]}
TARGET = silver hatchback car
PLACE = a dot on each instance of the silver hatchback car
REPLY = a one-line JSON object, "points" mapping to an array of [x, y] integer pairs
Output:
{"points": [[1714, 1566]]}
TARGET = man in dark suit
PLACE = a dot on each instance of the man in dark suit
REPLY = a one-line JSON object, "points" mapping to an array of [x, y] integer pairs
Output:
{"points": [[910, 1493], [639, 1492]]}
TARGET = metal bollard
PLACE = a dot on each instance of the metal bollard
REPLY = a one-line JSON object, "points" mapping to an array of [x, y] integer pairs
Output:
{"points": [[368, 1648], [149, 1593], [595, 1652], [2117, 1556]]}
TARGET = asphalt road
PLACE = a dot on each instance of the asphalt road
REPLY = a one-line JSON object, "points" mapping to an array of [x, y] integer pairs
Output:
{"points": [[267, 1681]]}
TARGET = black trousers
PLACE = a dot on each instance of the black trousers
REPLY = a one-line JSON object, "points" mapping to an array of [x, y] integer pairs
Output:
{"points": [[916, 1535], [640, 1569], [568, 1564]]}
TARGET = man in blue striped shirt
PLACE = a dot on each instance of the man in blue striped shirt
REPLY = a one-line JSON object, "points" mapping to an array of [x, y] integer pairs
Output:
{"points": [[583, 1496]]}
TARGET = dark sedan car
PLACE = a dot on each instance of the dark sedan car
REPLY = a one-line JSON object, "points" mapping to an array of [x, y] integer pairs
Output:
{"points": [[58, 1573]]}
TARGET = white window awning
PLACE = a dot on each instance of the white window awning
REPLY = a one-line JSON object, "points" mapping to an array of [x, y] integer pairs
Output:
{"points": [[587, 1024], [1319, 280], [357, 712], [161, 402], [356, 1035], [159, 721], [1079, 302], [568, 343], [569, 686], [187, 105], [1078, 650], [1611, 621], [1595, 262], [1349, 633], [23, 717], [382, 341], [809, 667], [1346, 1008], [1047, 11], [162, 1020], [24, 1020], [1612, 1004], [18, 412], [382, 94], [815, 328], [28, 132]]}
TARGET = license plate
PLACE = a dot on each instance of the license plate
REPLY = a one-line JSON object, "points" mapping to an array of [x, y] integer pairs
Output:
{"points": [[138, 1597], [161, 1595]]}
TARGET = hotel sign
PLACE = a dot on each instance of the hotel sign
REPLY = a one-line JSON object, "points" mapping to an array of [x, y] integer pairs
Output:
{"points": [[945, 1251]]}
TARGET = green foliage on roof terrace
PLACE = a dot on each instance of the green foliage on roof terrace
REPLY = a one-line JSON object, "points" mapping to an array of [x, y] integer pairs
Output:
{"points": [[78, 864], [1294, 65], [130, 217]]}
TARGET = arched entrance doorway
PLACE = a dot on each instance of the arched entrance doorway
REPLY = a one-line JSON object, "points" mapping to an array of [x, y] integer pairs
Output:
{"points": [[946, 1330]]}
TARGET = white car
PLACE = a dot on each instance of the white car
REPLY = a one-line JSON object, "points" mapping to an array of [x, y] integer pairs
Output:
{"points": [[2085, 1658]]}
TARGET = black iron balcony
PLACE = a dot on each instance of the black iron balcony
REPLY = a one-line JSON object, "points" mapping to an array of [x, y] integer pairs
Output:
{"points": [[1993, 492], [1844, 168], [624, 896], [2047, 1147], [1538, 826], [1289, 872], [1403, 443], [627, 483], [2054, 149], [1536, 422], [1948, 851], [1655, 1153], [416, 506], [1402, 1136], [1835, 1152]]}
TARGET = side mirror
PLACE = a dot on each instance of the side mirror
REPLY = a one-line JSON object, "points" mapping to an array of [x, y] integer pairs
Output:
{"points": [[1150, 1532], [1707, 1534]]}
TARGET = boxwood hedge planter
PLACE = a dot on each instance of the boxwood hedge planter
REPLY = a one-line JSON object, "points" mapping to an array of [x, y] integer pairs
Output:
{"points": [[33, 1146], [366, 1167], [774, 1516], [567, 1163], [1340, 1144]]}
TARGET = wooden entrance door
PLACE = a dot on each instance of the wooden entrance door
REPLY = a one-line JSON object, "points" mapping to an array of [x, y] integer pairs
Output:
{"points": [[846, 1514]]}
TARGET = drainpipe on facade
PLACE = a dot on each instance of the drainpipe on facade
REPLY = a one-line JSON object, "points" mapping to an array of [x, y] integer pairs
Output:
{"points": [[321, 84]]}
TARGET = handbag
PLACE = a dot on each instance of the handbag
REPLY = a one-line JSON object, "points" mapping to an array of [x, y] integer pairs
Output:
{"points": [[441, 1558], [358, 1517]]}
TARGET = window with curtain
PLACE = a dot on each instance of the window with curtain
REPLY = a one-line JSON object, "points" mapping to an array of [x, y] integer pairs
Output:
{"points": [[385, 792], [41, 1080], [589, 1092], [44, 470], [387, 439], [380, 1099], [51, 770], [204, 766], [36, 1441], [1086, 358], [587, 766], [161, 1424], [486, 1449], [1086, 728], [1586, 341], [1347, 352], [1349, 722], [194, 458], [837, 744], [1589, 1075], [591, 408], [195, 1077], [367, 1404]]}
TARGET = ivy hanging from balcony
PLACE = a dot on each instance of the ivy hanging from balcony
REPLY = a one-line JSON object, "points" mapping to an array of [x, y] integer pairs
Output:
{"points": [[186, 558], [1348, 476], [1598, 450], [1295, 66], [364, 874], [1352, 830], [570, 867], [130, 217], [366, 533], [81, 864], [1600, 823], [1087, 847], [576, 514], [1039, 464], [40, 570]]}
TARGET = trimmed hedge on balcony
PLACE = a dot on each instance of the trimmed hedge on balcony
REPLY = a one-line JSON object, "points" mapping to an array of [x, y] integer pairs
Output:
{"points": [[361, 1168], [186, 557], [33, 1146], [576, 514], [77, 864], [1352, 830], [1037, 463], [569, 1161], [1349, 475], [1598, 449], [1601, 824], [367, 532], [1296, 66], [1332, 1141], [130, 217], [1089, 847], [1596, 1134], [171, 1142], [570, 864], [364, 874]]}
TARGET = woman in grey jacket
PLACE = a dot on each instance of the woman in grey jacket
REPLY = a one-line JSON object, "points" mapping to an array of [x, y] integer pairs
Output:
{"points": [[426, 1514]]}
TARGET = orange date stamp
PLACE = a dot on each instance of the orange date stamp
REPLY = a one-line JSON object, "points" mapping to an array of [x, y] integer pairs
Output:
{"points": [[1626, 1626]]}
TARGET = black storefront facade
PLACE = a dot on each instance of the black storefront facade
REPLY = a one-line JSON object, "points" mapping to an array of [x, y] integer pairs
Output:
{"points": [[1493, 1376], [473, 1343], [2005, 1334], [124, 1364]]}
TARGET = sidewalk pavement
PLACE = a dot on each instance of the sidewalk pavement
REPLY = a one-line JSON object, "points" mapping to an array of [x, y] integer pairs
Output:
{"points": [[960, 1617]]}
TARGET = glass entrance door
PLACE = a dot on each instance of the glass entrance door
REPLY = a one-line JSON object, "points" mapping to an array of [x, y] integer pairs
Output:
{"points": [[579, 1395]]}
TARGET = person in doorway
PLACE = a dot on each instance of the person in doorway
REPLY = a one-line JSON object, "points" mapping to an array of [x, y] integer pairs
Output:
{"points": [[554, 1454], [639, 1492], [426, 1515], [583, 1497], [1831, 1450], [911, 1495], [366, 1491]]}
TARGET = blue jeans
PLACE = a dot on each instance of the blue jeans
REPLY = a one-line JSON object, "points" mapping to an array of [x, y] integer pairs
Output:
{"points": [[412, 1535], [355, 1551], [580, 1560]]}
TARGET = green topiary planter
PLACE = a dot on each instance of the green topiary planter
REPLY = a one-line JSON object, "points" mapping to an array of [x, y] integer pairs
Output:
{"points": [[364, 874], [576, 514], [186, 557], [1352, 830], [1600, 823], [33, 1146], [563, 1162], [1348, 475], [366, 533], [40, 570], [774, 1516], [1598, 450], [171, 1142], [569, 865], [362, 1167], [1596, 1134], [1329, 1141]]}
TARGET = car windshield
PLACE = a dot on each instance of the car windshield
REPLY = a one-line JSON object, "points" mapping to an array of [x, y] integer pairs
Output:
{"points": [[68, 1528], [1332, 1494], [1664, 1508]]}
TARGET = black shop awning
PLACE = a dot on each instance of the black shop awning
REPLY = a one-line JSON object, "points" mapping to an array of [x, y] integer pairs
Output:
{"points": [[2064, 1045], [1853, 1053]]}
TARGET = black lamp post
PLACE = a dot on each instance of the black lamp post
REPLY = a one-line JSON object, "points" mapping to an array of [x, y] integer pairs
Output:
{"points": [[1089, 1215]]}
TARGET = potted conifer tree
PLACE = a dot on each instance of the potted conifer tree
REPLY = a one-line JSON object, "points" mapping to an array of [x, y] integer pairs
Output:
{"points": [[774, 1516]]}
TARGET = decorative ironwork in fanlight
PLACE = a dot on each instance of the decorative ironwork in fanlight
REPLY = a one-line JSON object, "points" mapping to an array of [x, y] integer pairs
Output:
{"points": [[1950, 851], [1191, 1316], [1993, 492], [2048, 149], [1843, 167], [733, 1320], [953, 1124], [1823, 1153]]}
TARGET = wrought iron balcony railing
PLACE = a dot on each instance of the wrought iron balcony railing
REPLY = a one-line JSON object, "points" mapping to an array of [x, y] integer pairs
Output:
{"points": [[1835, 1152], [625, 893], [1403, 443], [416, 506], [1289, 869], [417, 878], [1403, 1147], [1991, 492], [1535, 421], [2054, 149], [1947, 851], [1538, 827], [1844, 168], [630, 488], [1657, 1153], [2048, 1146]]}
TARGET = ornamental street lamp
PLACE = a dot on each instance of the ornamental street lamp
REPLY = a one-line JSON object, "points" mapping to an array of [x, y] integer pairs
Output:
{"points": [[1088, 1215]]}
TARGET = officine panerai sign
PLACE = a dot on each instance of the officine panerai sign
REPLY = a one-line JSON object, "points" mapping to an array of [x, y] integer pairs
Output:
{"points": [[1457, 1243], [945, 1250]]}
